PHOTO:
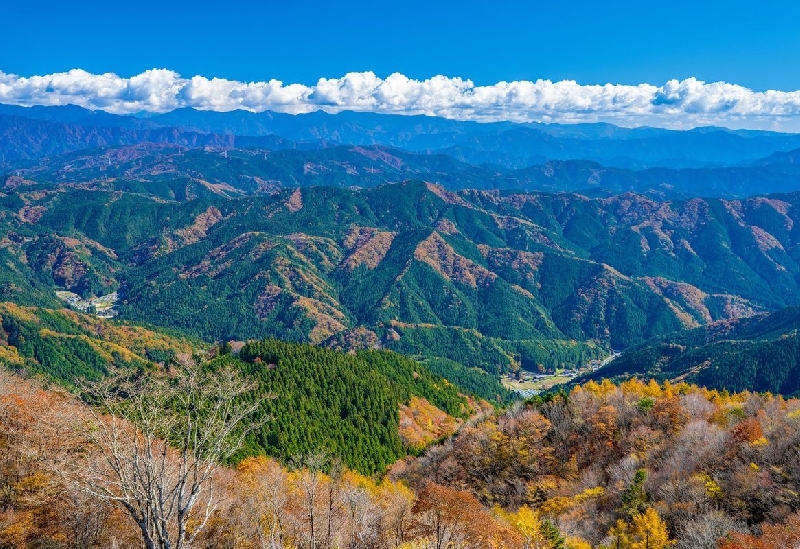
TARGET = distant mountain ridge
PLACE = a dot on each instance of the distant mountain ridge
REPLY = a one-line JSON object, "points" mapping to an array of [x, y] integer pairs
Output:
{"points": [[23, 140], [505, 144], [181, 169]]}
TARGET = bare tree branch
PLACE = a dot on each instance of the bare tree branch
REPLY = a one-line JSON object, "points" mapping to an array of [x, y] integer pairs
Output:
{"points": [[162, 439]]}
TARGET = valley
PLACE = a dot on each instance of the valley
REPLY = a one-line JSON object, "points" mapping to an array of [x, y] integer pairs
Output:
{"points": [[529, 384], [101, 307]]}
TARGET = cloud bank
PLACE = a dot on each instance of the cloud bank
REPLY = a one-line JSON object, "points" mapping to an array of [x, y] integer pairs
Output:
{"points": [[676, 104]]}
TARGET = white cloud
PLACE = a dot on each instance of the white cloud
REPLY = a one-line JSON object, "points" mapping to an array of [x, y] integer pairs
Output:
{"points": [[678, 104]]}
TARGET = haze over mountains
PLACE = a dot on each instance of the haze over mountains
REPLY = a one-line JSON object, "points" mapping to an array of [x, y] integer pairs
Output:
{"points": [[509, 144]]}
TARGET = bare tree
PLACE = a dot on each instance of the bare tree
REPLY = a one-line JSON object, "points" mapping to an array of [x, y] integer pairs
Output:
{"points": [[160, 439], [362, 515], [311, 482], [395, 501], [704, 530], [333, 504]]}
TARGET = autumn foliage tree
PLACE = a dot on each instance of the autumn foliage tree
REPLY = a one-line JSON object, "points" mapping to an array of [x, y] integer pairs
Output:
{"points": [[687, 468], [645, 531], [773, 536], [455, 518], [39, 507]]}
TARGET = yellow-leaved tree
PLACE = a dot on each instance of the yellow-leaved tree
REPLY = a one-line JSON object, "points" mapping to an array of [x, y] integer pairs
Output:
{"points": [[649, 531], [620, 535], [527, 522]]}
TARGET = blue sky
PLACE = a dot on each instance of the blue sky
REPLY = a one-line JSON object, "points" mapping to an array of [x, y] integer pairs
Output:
{"points": [[756, 45], [678, 64]]}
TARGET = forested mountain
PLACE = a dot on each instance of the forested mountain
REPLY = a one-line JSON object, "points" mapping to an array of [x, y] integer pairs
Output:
{"points": [[65, 346], [761, 353], [484, 278], [346, 405], [487, 279], [175, 172]]}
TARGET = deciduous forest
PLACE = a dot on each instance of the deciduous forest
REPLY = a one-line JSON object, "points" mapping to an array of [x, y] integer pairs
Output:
{"points": [[635, 465]]}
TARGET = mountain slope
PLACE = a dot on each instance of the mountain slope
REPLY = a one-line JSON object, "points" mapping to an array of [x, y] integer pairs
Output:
{"points": [[344, 404], [347, 405], [761, 353], [493, 280], [67, 346]]}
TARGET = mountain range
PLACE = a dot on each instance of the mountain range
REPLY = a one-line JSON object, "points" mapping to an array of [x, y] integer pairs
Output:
{"points": [[174, 155], [177, 172], [321, 228], [33, 132], [488, 279]]}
